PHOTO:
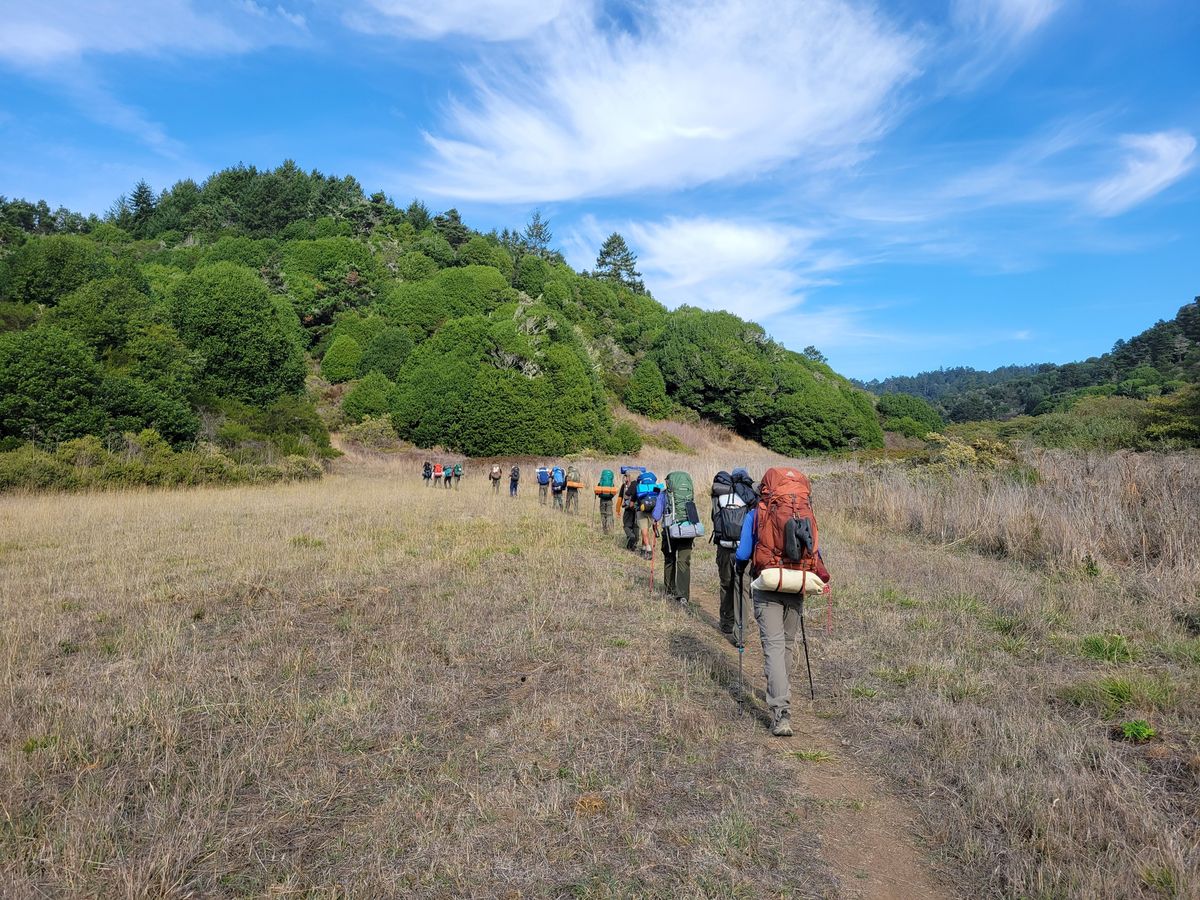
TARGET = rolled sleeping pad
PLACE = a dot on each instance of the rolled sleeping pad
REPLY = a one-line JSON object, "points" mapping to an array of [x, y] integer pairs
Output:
{"points": [[606, 490], [788, 581]]}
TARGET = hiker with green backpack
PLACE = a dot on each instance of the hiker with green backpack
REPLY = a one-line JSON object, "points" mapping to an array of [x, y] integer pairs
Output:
{"points": [[675, 511], [574, 483], [458, 473], [779, 544], [606, 491]]}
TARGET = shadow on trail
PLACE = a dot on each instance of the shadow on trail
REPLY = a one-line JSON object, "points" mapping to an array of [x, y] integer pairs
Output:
{"points": [[686, 645]]}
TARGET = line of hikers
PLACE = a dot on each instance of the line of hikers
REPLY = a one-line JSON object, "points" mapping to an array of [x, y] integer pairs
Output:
{"points": [[435, 473], [767, 527]]}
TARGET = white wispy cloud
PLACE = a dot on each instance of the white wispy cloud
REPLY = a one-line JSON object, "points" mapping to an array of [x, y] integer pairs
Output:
{"points": [[701, 92], [36, 35], [1152, 163], [487, 20], [58, 42], [986, 34]]}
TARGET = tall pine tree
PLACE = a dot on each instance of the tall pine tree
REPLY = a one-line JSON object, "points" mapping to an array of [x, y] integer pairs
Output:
{"points": [[538, 235], [618, 263]]}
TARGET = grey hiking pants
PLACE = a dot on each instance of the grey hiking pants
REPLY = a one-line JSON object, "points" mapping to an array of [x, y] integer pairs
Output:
{"points": [[677, 567], [778, 618], [543, 493], [572, 500]]}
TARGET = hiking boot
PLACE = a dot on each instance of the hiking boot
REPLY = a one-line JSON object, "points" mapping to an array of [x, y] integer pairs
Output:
{"points": [[727, 629], [682, 601], [782, 726]]}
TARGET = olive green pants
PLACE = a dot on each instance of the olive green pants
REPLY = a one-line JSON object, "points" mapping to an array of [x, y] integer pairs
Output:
{"points": [[677, 566]]}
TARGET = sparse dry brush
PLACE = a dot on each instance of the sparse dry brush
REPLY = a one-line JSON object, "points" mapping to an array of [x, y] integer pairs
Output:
{"points": [[988, 655]]}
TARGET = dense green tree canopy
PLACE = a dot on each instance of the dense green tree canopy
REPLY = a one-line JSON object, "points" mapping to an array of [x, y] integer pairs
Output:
{"points": [[249, 341]]}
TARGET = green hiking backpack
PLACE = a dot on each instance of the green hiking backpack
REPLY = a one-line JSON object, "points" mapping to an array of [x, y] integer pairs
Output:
{"points": [[681, 517], [606, 478]]}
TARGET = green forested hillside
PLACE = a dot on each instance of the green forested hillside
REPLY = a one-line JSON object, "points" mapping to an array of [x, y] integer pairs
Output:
{"points": [[1144, 394], [1159, 361], [199, 311]]}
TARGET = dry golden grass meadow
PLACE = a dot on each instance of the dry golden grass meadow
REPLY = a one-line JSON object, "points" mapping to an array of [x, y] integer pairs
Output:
{"points": [[362, 687]]}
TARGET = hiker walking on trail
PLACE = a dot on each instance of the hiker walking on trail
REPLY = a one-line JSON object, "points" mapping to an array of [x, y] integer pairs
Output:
{"points": [[558, 485], [646, 494], [574, 483], [543, 482], [494, 478], [458, 473], [514, 480], [675, 511], [733, 496], [627, 501], [449, 476], [427, 472], [606, 492], [437, 474], [779, 544]]}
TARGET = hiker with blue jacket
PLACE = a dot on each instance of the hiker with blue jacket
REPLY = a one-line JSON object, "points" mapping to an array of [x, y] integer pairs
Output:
{"points": [[779, 545]]}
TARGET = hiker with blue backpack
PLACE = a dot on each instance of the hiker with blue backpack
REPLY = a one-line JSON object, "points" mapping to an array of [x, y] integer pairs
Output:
{"points": [[627, 503], [733, 495], [543, 483], [558, 485], [646, 494], [675, 510], [779, 545]]}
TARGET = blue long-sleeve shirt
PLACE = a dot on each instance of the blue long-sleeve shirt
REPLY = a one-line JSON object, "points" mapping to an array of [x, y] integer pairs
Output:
{"points": [[660, 507], [745, 547]]}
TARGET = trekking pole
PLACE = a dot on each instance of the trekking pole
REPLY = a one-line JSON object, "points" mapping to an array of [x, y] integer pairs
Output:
{"points": [[741, 627], [812, 693]]}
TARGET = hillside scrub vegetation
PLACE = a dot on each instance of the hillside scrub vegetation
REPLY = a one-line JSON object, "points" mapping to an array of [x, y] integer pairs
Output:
{"points": [[179, 302], [1148, 382]]}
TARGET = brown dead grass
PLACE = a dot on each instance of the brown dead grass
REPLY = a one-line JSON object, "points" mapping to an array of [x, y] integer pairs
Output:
{"points": [[357, 688], [343, 688]]}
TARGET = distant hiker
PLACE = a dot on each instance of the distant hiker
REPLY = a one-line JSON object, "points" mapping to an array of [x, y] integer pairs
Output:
{"points": [[437, 474], [449, 476], [543, 482], [779, 543], [732, 496], [647, 491], [606, 492], [427, 472], [514, 480], [675, 509], [494, 477], [627, 500], [574, 483], [558, 485], [458, 472]]}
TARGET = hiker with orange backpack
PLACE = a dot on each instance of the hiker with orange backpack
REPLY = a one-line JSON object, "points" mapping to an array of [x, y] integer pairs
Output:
{"points": [[779, 544], [437, 474]]}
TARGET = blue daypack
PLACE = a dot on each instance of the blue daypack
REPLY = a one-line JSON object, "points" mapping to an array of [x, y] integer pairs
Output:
{"points": [[558, 479]]}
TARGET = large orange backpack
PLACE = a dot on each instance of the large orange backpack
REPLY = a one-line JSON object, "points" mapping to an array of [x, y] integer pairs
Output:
{"points": [[785, 528]]}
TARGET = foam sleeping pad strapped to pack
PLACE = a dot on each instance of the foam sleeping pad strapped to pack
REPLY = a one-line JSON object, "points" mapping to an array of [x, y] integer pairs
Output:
{"points": [[788, 581], [606, 486]]}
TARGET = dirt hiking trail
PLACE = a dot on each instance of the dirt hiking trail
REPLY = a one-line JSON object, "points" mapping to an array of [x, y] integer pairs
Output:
{"points": [[866, 832]]}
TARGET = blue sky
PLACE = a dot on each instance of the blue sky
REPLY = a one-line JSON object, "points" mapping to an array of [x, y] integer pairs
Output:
{"points": [[906, 184]]}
